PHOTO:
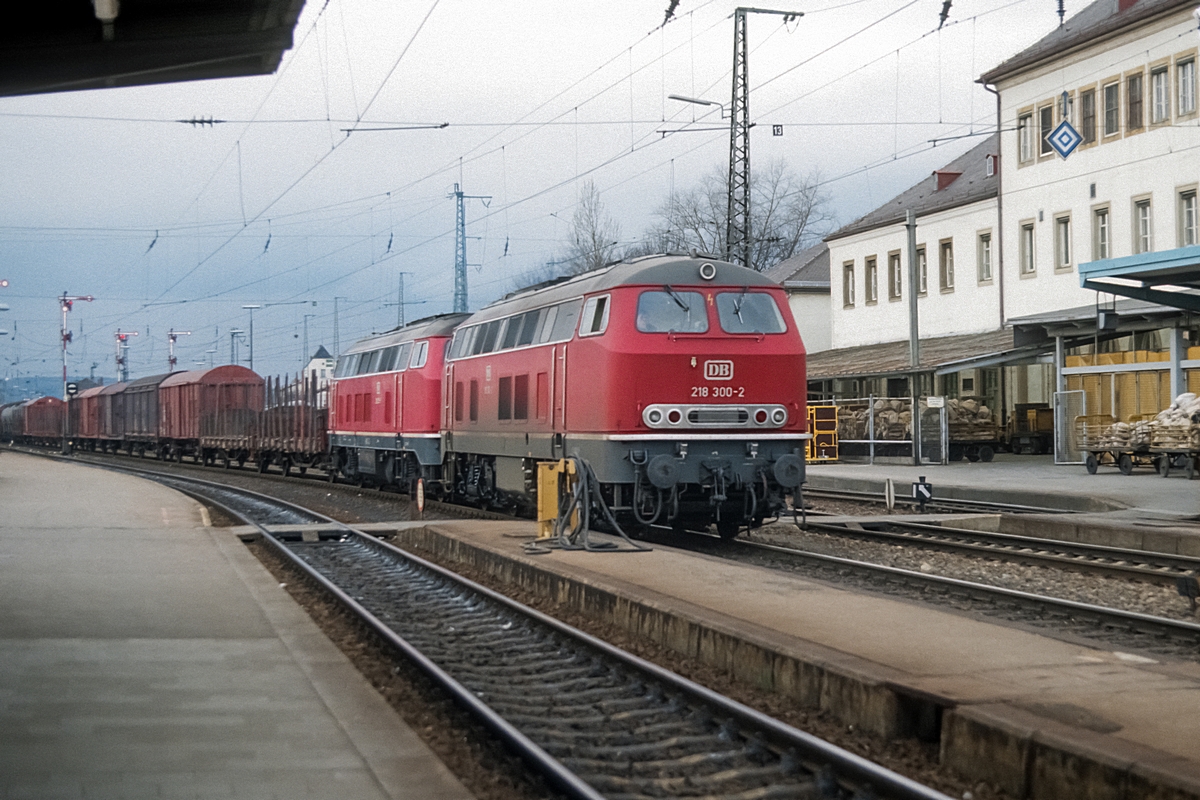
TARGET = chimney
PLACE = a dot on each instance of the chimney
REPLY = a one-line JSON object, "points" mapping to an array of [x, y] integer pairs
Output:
{"points": [[1125, 5], [945, 178]]}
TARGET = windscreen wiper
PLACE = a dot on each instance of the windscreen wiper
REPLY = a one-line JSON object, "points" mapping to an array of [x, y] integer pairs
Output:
{"points": [[737, 307], [675, 296]]}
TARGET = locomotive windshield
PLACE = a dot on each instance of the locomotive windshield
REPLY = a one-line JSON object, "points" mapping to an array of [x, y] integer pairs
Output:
{"points": [[671, 310], [749, 312]]}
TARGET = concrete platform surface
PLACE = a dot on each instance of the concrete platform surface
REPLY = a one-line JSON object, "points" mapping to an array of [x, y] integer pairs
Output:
{"points": [[143, 654], [863, 656]]}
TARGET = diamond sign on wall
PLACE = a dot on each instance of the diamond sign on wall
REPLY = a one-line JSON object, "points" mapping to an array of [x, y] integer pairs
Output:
{"points": [[1064, 139]]}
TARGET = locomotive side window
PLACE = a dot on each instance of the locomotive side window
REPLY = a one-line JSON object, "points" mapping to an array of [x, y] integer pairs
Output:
{"points": [[367, 362], [749, 312], [548, 325], [564, 325], [512, 332], [420, 353], [529, 329], [346, 365], [595, 316], [388, 359], [402, 357], [671, 311]]}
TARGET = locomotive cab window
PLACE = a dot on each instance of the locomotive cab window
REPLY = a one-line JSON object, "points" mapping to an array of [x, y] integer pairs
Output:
{"points": [[420, 354], [346, 365], [402, 356], [595, 316], [387, 361], [749, 312], [367, 362], [671, 311]]}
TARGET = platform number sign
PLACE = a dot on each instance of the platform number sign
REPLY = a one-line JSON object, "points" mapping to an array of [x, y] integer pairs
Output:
{"points": [[777, 130], [922, 491], [72, 389]]}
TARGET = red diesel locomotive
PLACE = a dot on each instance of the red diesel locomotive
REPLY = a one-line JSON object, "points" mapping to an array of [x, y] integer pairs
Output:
{"points": [[680, 380]]}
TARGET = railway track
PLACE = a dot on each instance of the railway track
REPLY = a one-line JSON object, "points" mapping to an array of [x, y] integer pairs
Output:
{"points": [[1094, 623], [945, 503], [1164, 568], [593, 719]]}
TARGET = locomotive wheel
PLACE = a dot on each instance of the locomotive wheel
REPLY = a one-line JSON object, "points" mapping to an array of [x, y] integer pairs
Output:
{"points": [[1092, 464], [1125, 464]]}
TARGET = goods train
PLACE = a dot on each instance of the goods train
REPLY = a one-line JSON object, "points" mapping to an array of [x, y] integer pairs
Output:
{"points": [[679, 380]]}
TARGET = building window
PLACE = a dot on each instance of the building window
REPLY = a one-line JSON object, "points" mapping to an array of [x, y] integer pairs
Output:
{"points": [[985, 257], [1112, 109], [1187, 218], [871, 282], [1087, 104], [1028, 266], [946, 265], [1062, 242], [1100, 235], [1025, 137], [848, 284], [922, 272], [1185, 83], [1133, 102], [1143, 230], [895, 276], [1045, 127], [1160, 88]]}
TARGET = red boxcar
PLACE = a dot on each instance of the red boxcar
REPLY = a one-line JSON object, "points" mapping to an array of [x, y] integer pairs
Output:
{"points": [[385, 403], [44, 420], [680, 380], [201, 401], [111, 416], [141, 412], [85, 418], [12, 420]]}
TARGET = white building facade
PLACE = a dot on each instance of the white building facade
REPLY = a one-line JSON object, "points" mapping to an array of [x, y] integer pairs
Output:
{"points": [[957, 263], [1124, 75]]}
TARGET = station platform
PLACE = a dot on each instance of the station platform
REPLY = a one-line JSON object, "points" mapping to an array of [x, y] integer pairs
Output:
{"points": [[1039, 717], [1140, 511], [146, 654]]}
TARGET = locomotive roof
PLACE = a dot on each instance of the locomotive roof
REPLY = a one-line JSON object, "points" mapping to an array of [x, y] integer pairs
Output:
{"points": [[226, 373], [148, 381], [675, 270], [439, 325]]}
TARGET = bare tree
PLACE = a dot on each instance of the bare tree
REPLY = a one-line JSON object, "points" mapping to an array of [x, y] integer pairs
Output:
{"points": [[788, 213], [594, 234]]}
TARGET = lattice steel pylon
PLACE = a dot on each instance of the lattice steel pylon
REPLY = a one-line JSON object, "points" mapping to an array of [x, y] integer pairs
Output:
{"points": [[460, 245], [738, 234]]}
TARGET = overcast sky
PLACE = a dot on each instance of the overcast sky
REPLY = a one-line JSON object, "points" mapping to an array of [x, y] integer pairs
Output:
{"points": [[175, 225]]}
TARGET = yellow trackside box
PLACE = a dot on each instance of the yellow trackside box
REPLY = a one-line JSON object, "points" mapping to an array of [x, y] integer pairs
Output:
{"points": [[823, 425], [555, 480]]}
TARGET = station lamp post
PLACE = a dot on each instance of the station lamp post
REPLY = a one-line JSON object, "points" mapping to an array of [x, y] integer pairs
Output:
{"points": [[66, 302]]}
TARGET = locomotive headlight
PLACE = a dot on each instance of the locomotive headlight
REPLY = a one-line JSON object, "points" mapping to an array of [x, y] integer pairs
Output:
{"points": [[654, 416], [779, 416]]}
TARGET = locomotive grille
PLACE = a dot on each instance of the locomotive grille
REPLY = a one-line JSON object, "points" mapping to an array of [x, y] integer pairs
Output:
{"points": [[718, 416]]}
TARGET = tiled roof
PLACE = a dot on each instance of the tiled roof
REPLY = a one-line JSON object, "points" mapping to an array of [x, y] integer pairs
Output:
{"points": [[891, 358], [924, 198], [807, 269], [1094, 22]]}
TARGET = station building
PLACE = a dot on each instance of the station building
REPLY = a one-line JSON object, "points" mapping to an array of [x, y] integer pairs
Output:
{"points": [[1007, 234]]}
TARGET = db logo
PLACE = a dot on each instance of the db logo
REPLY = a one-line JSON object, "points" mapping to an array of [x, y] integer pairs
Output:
{"points": [[718, 370]]}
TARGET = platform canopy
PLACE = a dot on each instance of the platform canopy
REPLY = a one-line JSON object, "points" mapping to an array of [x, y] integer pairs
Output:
{"points": [[69, 45], [1170, 277]]}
